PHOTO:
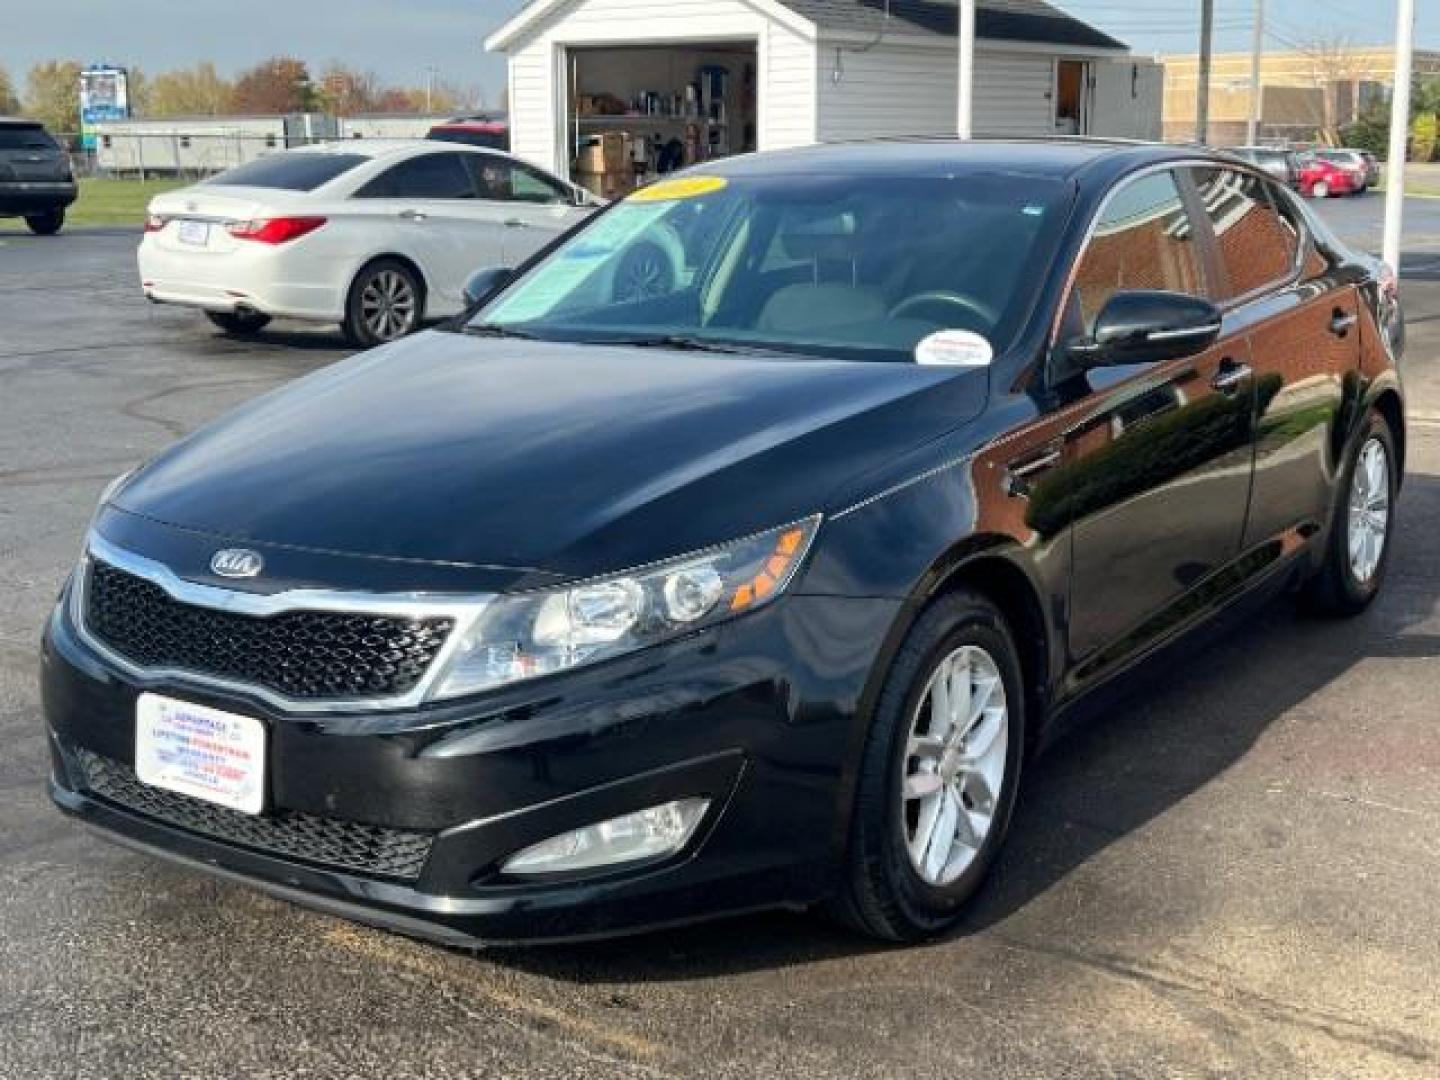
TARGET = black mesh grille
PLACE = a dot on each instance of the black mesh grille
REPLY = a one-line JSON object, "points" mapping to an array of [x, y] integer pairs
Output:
{"points": [[371, 850], [310, 655]]}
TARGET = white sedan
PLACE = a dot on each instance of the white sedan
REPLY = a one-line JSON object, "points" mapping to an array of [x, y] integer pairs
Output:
{"points": [[373, 235]]}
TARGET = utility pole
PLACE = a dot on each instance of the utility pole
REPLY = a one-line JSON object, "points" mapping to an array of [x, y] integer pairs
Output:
{"points": [[966, 104], [1399, 131], [429, 86], [1257, 91], [1202, 88]]}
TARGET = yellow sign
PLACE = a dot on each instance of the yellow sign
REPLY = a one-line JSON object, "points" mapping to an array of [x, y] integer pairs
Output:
{"points": [[684, 187]]}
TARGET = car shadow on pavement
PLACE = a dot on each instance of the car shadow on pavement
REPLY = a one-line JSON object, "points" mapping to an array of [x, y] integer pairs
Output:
{"points": [[1178, 725]]}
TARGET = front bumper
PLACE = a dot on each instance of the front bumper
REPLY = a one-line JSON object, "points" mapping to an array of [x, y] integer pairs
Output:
{"points": [[758, 716]]}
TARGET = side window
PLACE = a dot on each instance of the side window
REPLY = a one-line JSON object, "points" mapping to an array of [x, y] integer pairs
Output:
{"points": [[1143, 240], [1258, 244], [505, 181], [434, 176]]}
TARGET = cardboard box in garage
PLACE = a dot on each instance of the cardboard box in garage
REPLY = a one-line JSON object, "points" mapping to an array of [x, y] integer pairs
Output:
{"points": [[607, 185], [607, 152]]}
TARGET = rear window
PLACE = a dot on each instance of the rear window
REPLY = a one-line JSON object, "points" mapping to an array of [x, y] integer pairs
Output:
{"points": [[289, 172], [26, 137]]}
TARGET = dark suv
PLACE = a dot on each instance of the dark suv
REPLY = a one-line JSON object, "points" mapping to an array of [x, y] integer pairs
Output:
{"points": [[35, 178]]}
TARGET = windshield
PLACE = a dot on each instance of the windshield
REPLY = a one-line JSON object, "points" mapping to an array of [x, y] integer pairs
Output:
{"points": [[852, 267]]}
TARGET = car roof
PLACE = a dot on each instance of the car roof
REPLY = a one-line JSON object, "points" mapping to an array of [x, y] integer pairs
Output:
{"points": [[384, 148], [19, 121], [1058, 158]]}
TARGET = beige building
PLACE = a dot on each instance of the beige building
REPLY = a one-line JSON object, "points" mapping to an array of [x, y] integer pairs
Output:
{"points": [[1305, 96]]}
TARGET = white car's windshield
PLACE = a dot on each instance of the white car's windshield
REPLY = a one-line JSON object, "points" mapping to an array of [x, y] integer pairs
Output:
{"points": [[858, 267]]}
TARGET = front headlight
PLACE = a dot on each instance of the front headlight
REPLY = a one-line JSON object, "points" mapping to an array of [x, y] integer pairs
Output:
{"points": [[533, 634]]}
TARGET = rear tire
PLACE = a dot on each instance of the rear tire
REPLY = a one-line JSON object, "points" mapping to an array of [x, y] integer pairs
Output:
{"points": [[386, 301], [239, 323], [1358, 552], [898, 885], [1321, 190], [46, 224]]}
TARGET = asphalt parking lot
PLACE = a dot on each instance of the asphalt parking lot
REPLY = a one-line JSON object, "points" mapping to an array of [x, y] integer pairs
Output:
{"points": [[1232, 874]]}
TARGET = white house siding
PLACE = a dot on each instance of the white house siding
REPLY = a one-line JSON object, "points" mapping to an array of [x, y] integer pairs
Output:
{"points": [[889, 90], [1014, 93], [911, 89], [1129, 97], [785, 59]]}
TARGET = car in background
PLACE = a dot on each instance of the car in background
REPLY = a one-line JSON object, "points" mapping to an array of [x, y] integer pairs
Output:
{"points": [[1361, 164], [487, 132], [36, 181], [1282, 164], [1321, 178], [376, 235]]}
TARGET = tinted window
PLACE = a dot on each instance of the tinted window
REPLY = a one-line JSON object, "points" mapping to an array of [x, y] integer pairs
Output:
{"points": [[434, 176], [26, 137], [1257, 244], [289, 172], [1143, 240], [507, 181]]}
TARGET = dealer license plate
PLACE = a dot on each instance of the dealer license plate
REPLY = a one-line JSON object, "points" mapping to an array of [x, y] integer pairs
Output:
{"points": [[201, 752], [196, 233]]}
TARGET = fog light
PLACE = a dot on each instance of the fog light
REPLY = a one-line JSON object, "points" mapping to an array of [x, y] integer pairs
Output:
{"points": [[645, 834]]}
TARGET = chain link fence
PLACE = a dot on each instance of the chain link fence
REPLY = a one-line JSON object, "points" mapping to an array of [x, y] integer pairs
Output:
{"points": [[177, 155]]}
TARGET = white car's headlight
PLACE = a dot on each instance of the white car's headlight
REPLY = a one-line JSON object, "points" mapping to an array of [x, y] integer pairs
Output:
{"points": [[533, 634]]}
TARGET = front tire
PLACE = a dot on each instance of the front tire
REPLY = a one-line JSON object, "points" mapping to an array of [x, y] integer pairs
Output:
{"points": [[46, 224], [939, 773], [385, 302], [1358, 552], [239, 323]]}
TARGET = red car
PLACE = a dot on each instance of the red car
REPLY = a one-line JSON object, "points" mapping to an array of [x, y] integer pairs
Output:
{"points": [[1320, 179]]}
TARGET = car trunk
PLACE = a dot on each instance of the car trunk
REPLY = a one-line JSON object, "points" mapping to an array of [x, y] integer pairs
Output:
{"points": [[196, 217]]}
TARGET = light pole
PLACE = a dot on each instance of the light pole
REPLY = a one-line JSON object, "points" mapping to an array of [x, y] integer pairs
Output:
{"points": [[966, 103], [1399, 131], [1202, 89], [1252, 129]]}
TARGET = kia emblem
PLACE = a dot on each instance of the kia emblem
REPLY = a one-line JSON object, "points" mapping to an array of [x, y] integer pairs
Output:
{"points": [[237, 563]]}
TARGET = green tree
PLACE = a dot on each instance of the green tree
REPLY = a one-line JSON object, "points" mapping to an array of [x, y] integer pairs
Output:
{"points": [[9, 103], [1424, 134], [196, 91], [1370, 132], [52, 95]]}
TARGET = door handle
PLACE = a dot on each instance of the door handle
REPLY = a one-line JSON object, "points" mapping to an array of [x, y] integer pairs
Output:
{"points": [[1230, 376], [1342, 323], [516, 223], [413, 215]]}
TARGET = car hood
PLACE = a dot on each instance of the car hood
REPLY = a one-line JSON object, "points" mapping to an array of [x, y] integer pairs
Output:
{"points": [[571, 459]]}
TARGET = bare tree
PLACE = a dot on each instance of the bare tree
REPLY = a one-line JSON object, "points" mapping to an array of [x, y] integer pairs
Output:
{"points": [[1334, 61]]}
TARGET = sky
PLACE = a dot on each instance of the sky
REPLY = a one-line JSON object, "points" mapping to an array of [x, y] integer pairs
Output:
{"points": [[400, 41]]}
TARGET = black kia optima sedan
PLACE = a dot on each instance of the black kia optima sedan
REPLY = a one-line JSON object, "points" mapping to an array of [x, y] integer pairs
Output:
{"points": [[750, 580]]}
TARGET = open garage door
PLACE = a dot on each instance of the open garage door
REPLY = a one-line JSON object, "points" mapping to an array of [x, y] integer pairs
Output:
{"points": [[638, 112]]}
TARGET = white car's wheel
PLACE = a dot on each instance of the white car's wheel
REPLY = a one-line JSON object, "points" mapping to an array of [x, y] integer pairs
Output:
{"points": [[1321, 190], [386, 301]]}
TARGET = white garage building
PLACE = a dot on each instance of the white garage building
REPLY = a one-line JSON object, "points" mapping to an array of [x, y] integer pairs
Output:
{"points": [[735, 75]]}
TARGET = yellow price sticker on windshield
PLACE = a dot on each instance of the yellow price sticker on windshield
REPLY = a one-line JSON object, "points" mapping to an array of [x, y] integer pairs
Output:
{"points": [[685, 187]]}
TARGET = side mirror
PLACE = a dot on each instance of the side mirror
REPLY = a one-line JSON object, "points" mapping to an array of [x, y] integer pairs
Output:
{"points": [[483, 283], [1143, 327]]}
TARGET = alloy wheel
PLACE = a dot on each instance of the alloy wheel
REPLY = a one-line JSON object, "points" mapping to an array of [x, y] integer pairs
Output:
{"points": [[388, 305], [954, 764], [1369, 518]]}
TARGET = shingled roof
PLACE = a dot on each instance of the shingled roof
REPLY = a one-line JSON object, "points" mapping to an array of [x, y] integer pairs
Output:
{"points": [[1005, 20]]}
